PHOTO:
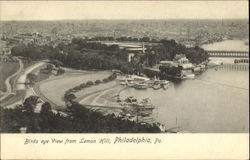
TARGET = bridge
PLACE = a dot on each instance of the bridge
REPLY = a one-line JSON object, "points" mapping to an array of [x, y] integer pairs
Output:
{"points": [[235, 54]]}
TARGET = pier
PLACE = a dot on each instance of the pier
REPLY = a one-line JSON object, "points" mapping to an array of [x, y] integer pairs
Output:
{"points": [[234, 67]]}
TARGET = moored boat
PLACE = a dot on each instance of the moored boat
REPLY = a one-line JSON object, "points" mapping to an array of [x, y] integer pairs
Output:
{"points": [[146, 104], [140, 86], [156, 86]]}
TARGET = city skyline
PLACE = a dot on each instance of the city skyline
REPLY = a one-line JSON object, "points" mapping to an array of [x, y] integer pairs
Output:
{"points": [[122, 10]]}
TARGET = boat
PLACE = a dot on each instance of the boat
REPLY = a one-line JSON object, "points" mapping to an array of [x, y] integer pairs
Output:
{"points": [[140, 86], [165, 84], [146, 104], [137, 111], [156, 86], [241, 61], [145, 114], [197, 69], [130, 100], [214, 63], [132, 103], [129, 83], [190, 76], [122, 83]]}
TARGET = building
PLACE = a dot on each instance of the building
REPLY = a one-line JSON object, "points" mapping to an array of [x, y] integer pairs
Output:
{"points": [[132, 48]]}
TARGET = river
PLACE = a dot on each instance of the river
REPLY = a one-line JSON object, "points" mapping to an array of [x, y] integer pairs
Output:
{"points": [[214, 102], [228, 45]]}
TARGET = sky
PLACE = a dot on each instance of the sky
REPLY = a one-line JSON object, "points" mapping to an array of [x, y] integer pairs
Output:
{"points": [[61, 10]]}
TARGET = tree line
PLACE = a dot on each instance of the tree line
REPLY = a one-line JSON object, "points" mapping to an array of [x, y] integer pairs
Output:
{"points": [[69, 94], [79, 119]]}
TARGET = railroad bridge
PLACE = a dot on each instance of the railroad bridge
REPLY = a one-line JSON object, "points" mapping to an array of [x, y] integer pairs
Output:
{"points": [[235, 54]]}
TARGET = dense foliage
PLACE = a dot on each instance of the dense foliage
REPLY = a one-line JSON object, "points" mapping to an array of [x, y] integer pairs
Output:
{"points": [[169, 49], [167, 72], [87, 54], [79, 54], [79, 120]]}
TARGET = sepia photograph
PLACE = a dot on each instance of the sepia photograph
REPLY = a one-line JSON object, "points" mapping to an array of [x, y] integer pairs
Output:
{"points": [[124, 67]]}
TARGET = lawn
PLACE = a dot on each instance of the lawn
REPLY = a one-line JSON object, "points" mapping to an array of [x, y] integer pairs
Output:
{"points": [[55, 89], [6, 70]]}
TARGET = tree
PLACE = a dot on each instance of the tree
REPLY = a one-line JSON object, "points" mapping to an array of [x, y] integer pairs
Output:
{"points": [[105, 80], [69, 97], [46, 108], [60, 71], [90, 83], [30, 103], [49, 67], [32, 78], [57, 63], [145, 39], [83, 85], [97, 82]]}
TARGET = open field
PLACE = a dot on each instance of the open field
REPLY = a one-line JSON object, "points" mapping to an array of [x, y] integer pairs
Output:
{"points": [[6, 70], [55, 88], [94, 89], [104, 96]]}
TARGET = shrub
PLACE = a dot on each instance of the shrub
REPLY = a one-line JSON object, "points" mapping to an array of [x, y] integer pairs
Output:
{"points": [[69, 97], [60, 71], [77, 88], [105, 80], [83, 85], [97, 82], [90, 83]]}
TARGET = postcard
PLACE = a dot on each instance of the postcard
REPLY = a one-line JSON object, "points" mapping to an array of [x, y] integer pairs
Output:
{"points": [[124, 79]]}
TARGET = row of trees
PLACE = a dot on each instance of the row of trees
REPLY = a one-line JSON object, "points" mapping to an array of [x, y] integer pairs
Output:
{"points": [[79, 119], [69, 94]]}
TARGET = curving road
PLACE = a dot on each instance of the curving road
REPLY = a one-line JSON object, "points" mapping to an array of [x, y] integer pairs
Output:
{"points": [[20, 82]]}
